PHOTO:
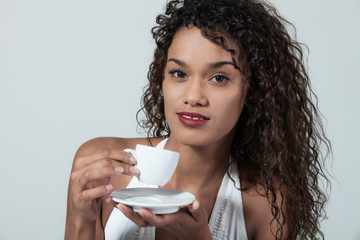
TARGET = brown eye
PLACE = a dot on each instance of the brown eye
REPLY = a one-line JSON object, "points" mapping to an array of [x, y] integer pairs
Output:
{"points": [[220, 78], [177, 74]]}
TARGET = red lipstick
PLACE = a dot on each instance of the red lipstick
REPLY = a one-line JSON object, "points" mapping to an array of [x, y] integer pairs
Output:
{"points": [[192, 119]]}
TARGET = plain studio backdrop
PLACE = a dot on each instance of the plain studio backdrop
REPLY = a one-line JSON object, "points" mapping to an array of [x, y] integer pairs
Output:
{"points": [[74, 70]]}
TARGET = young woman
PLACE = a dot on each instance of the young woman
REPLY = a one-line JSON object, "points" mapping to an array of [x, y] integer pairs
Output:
{"points": [[228, 90]]}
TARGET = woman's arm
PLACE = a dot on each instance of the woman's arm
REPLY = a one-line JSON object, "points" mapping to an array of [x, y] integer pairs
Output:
{"points": [[95, 164]]}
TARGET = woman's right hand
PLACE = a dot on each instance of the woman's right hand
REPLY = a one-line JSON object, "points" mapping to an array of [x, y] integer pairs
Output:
{"points": [[90, 180]]}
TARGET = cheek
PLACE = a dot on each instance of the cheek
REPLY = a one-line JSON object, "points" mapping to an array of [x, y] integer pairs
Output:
{"points": [[172, 92], [231, 109], [168, 90], [170, 99], [232, 112]]}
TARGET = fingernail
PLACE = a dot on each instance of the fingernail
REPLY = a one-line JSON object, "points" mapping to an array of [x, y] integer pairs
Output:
{"points": [[141, 212], [120, 207], [196, 205], [134, 170], [119, 169], [108, 187], [132, 159]]}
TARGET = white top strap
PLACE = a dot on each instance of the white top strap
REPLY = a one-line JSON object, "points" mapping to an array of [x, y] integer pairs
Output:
{"points": [[161, 144]]}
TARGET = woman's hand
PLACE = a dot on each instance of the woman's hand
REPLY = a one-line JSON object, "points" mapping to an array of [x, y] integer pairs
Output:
{"points": [[190, 222], [90, 181]]}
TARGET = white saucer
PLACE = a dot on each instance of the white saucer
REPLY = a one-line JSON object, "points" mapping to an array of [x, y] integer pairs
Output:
{"points": [[156, 200]]}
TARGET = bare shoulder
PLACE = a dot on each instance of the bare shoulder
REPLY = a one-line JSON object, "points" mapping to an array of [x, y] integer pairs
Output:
{"points": [[260, 223], [116, 143]]}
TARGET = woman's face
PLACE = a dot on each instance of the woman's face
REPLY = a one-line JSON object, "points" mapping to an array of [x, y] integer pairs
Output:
{"points": [[203, 93]]}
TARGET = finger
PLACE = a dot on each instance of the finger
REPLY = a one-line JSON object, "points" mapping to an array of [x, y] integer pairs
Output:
{"points": [[93, 193], [196, 212], [115, 154], [126, 168], [153, 219], [130, 170], [126, 163], [91, 178], [86, 159], [110, 201], [133, 216], [99, 173], [103, 181], [120, 155], [108, 162]]}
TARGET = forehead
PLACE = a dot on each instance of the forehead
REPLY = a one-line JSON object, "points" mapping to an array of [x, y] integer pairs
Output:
{"points": [[190, 41]]}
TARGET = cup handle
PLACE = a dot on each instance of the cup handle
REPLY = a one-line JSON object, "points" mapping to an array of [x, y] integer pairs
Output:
{"points": [[132, 152]]}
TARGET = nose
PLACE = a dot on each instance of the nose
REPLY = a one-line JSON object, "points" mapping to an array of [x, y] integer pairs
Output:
{"points": [[195, 93]]}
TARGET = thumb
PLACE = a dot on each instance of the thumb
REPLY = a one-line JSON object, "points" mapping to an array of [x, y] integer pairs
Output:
{"points": [[196, 211]]}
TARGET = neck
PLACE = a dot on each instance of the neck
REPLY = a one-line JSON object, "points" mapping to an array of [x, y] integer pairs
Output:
{"points": [[199, 167]]}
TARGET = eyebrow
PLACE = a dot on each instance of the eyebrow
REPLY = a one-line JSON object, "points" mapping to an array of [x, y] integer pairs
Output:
{"points": [[211, 65], [178, 62], [220, 64]]}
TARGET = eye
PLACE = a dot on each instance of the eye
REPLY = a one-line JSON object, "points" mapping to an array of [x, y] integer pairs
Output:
{"points": [[219, 79], [177, 73]]}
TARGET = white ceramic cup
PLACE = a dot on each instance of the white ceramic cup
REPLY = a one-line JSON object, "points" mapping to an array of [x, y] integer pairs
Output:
{"points": [[156, 165]]}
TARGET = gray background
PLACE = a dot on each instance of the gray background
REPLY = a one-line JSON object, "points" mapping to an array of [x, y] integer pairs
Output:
{"points": [[74, 70]]}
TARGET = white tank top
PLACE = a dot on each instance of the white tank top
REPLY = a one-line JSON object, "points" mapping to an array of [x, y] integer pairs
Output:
{"points": [[226, 221]]}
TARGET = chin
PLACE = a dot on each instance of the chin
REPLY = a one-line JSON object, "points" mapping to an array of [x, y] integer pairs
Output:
{"points": [[200, 140]]}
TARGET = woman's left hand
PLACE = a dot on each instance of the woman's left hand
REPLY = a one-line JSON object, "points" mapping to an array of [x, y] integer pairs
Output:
{"points": [[190, 222]]}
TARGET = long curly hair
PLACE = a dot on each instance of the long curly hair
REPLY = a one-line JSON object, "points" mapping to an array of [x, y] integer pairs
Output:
{"points": [[279, 133]]}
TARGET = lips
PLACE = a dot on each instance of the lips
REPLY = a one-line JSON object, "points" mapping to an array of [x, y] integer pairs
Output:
{"points": [[192, 119]]}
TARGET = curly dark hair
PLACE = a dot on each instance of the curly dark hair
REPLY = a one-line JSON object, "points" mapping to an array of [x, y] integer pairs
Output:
{"points": [[279, 133]]}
